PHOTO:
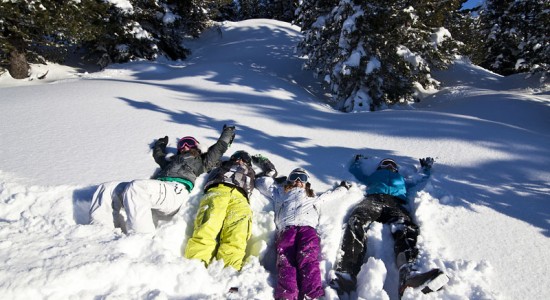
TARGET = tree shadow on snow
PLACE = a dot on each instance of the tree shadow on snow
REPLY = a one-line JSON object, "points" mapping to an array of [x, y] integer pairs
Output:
{"points": [[504, 185], [475, 185]]}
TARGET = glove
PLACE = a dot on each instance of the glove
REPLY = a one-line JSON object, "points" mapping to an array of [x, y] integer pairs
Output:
{"points": [[162, 142], [426, 163], [258, 158], [358, 157], [232, 130], [345, 184], [280, 179]]}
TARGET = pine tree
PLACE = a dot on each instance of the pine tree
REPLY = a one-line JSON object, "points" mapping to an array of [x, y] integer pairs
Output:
{"points": [[464, 26], [376, 52], [222, 10], [282, 10], [516, 33], [149, 29], [37, 31]]}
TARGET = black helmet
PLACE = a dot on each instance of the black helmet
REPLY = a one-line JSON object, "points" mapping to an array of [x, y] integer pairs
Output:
{"points": [[242, 155]]}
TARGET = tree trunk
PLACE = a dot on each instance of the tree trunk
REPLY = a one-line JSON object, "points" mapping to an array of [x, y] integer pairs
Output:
{"points": [[19, 67]]}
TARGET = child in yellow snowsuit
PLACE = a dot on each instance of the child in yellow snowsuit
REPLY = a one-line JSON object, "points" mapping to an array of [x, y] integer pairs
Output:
{"points": [[224, 211]]}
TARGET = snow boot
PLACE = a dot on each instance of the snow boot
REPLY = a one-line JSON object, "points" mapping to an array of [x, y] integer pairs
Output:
{"points": [[343, 283], [427, 282]]}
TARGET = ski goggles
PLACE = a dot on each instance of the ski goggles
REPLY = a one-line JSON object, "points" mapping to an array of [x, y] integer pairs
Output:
{"points": [[244, 156], [188, 141], [388, 164], [298, 176]]}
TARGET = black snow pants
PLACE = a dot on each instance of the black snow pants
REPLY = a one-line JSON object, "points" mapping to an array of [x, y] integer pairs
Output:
{"points": [[381, 208]]}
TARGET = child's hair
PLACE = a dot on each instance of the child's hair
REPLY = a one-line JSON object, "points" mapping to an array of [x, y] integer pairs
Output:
{"points": [[195, 152], [309, 192]]}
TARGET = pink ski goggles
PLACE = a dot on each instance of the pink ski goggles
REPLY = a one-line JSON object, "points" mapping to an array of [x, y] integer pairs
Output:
{"points": [[188, 141]]}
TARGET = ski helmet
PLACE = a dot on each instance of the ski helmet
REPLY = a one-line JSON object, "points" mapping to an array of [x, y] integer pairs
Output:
{"points": [[242, 155], [388, 163], [188, 141], [298, 174]]}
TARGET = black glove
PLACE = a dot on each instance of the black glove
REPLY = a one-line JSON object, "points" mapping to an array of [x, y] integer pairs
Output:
{"points": [[162, 142], [280, 179], [426, 163], [232, 130], [358, 157], [345, 184]]}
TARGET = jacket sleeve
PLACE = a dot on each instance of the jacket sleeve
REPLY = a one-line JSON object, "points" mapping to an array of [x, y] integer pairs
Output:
{"points": [[357, 171], [266, 185], [338, 192], [159, 155], [215, 152], [417, 178]]}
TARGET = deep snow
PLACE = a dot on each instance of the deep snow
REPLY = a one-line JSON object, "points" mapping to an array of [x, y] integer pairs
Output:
{"points": [[483, 213]]}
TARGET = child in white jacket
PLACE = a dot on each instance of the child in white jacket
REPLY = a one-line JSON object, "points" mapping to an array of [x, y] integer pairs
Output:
{"points": [[298, 246]]}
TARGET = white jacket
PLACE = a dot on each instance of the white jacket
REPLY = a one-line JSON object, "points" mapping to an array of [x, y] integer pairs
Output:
{"points": [[294, 208]]}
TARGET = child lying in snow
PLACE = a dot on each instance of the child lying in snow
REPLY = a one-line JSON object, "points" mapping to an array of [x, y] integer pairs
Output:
{"points": [[298, 245]]}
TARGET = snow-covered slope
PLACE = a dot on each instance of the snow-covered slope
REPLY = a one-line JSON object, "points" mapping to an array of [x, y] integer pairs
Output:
{"points": [[483, 214]]}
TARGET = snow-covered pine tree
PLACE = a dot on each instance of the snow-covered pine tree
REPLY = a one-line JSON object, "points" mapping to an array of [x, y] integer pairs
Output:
{"points": [[222, 10], [465, 28], [45, 30], [193, 16], [376, 52], [282, 9], [150, 28], [320, 35], [516, 34], [250, 9]]}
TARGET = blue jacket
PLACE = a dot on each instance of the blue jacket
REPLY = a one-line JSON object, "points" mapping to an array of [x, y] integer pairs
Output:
{"points": [[383, 181], [387, 182]]}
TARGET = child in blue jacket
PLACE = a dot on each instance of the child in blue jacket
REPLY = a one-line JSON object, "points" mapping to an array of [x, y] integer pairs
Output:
{"points": [[385, 203]]}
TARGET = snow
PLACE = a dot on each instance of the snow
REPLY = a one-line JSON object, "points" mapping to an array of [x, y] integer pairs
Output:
{"points": [[372, 65], [483, 214], [410, 56], [125, 5]]}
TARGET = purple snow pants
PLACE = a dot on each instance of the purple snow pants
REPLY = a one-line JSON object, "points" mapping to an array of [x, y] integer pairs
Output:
{"points": [[298, 264]]}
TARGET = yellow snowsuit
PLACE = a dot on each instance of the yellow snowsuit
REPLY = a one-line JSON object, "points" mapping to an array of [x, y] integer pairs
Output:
{"points": [[223, 211]]}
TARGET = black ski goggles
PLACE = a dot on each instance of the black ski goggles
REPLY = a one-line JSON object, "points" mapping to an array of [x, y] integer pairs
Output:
{"points": [[244, 156], [298, 176]]}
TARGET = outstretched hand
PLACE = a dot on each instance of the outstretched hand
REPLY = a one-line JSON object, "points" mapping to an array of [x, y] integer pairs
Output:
{"points": [[426, 163], [232, 130], [162, 143], [345, 184]]}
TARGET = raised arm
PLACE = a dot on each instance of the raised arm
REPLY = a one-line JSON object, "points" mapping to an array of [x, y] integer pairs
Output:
{"points": [[216, 151], [423, 173], [337, 192], [159, 151], [356, 169]]}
